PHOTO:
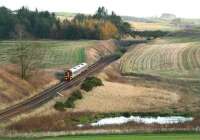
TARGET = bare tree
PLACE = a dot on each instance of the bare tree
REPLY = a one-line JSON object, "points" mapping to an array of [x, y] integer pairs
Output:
{"points": [[27, 55]]}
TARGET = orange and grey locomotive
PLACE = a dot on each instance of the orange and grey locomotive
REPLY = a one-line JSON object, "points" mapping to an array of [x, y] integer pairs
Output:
{"points": [[75, 71]]}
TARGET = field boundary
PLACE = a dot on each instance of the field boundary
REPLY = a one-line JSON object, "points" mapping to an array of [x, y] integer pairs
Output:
{"points": [[96, 132]]}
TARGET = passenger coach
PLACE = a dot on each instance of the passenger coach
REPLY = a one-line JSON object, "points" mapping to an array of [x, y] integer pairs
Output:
{"points": [[75, 71]]}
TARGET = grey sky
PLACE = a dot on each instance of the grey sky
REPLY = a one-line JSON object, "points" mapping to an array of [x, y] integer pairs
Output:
{"points": [[141, 8]]}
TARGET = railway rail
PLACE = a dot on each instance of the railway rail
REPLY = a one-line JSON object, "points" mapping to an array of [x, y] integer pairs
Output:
{"points": [[51, 92]]}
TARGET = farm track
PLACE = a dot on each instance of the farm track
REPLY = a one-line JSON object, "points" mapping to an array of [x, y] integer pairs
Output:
{"points": [[50, 93]]}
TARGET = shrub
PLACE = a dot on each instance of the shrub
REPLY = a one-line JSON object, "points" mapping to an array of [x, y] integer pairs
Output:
{"points": [[87, 86], [59, 106], [126, 114], [77, 94], [71, 98], [69, 104], [85, 119], [91, 82]]}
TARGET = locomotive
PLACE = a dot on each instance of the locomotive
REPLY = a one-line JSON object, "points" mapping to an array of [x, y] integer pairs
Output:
{"points": [[75, 71]]}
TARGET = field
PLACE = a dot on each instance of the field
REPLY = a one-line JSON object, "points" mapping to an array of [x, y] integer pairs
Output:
{"points": [[127, 93], [120, 137], [171, 63], [151, 26], [169, 57], [140, 93], [118, 97], [59, 53]]}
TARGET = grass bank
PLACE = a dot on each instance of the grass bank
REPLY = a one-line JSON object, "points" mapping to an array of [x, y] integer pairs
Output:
{"points": [[162, 136]]}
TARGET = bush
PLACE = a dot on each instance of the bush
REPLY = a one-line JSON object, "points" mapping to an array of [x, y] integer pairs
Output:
{"points": [[59, 106], [77, 94], [69, 103], [91, 82], [71, 98]]}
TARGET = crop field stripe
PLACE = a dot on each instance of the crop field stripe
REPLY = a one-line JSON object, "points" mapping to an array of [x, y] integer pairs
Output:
{"points": [[197, 55], [189, 58], [180, 58], [194, 56], [185, 57]]}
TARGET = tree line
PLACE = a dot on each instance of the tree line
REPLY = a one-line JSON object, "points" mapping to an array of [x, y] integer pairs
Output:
{"points": [[45, 25], [149, 34]]}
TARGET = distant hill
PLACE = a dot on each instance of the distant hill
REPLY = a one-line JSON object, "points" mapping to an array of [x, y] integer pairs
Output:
{"points": [[166, 21], [168, 16], [136, 19], [64, 15]]}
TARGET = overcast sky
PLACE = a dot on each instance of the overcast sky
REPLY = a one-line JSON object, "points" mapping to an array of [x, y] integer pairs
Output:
{"points": [[139, 8]]}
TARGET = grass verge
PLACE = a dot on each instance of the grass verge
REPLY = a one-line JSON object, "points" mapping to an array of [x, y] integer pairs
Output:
{"points": [[158, 136]]}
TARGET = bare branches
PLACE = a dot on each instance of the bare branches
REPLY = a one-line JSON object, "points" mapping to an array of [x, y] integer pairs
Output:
{"points": [[28, 56]]}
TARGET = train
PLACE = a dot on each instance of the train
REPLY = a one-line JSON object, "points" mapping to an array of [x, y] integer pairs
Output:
{"points": [[75, 71]]}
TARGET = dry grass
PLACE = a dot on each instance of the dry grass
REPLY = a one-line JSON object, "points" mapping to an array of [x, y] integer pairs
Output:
{"points": [[187, 91], [103, 48], [117, 97], [13, 89], [45, 110]]}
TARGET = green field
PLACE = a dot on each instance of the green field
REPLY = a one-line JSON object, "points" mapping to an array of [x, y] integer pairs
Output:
{"points": [[119, 137], [58, 53]]}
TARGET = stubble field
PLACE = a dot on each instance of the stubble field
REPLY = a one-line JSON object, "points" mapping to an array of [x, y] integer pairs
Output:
{"points": [[164, 58]]}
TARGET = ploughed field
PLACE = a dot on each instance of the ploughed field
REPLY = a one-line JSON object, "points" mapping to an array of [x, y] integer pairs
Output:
{"points": [[168, 57]]}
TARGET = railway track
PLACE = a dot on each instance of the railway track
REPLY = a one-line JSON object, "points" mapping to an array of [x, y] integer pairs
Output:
{"points": [[51, 92]]}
